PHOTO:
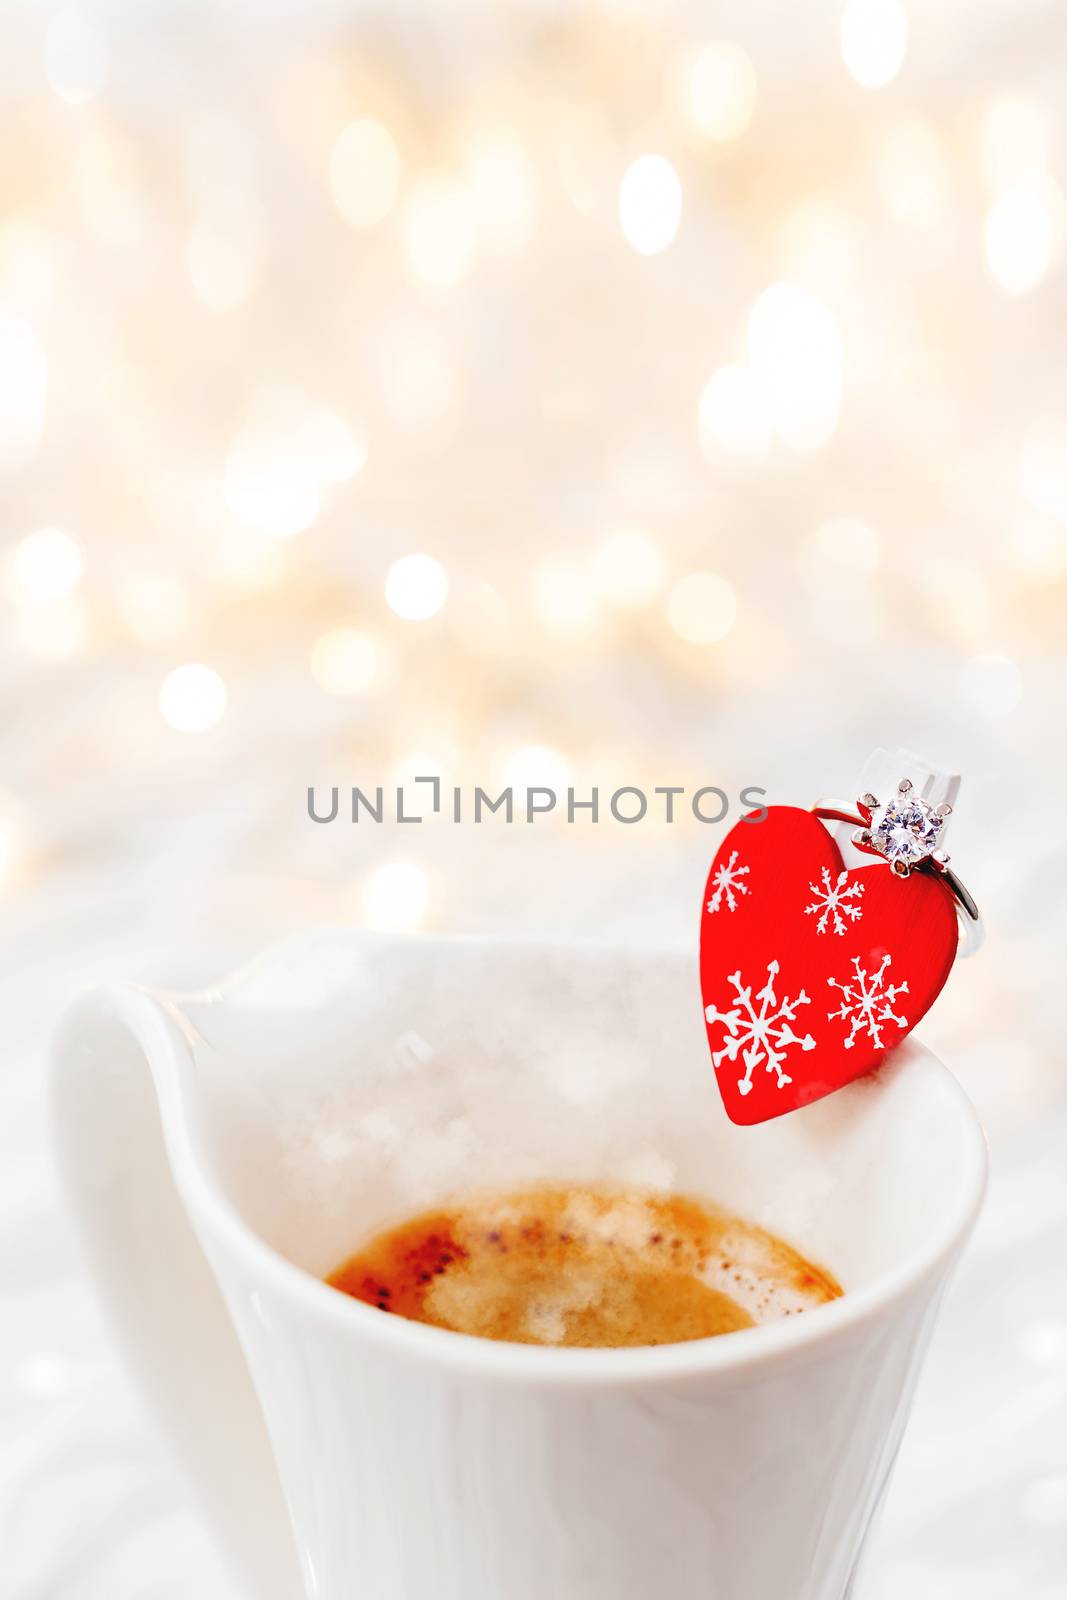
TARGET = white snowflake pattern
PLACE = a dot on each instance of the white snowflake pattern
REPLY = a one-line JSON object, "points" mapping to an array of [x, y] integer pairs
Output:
{"points": [[727, 881], [834, 900], [762, 1035], [866, 1004]]}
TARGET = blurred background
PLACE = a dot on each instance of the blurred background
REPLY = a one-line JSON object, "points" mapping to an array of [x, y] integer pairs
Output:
{"points": [[617, 392]]}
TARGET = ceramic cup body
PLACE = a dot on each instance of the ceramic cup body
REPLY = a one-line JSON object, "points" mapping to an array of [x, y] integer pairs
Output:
{"points": [[225, 1150]]}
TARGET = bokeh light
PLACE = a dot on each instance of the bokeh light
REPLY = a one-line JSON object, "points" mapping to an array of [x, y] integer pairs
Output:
{"points": [[538, 766], [396, 897], [702, 607], [628, 568], [718, 90], [914, 175], [650, 204], [1024, 233], [192, 698], [344, 661], [1043, 475], [220, 271], [55, 632], [282, 458], [247, 559], [846, 545], [440, 230], [959, 593], [797, 352], [334, 450], [14, 838], [562, 595], [419, 381], [503, 188], [416, 587], [269, 483], [365, 173], [155, 606], [8, 848], [735, 413], [43, 567], [23, 389], [76, 57], [1013, 141], [585, 157], [1039, 549], [820, 246], [874, 40]]}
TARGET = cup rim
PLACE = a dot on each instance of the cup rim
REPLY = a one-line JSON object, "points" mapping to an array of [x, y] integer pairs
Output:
{"points": [[170, 1053]]}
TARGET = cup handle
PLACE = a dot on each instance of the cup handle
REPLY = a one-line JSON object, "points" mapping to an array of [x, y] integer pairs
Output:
{"points": [[116, 1056]]}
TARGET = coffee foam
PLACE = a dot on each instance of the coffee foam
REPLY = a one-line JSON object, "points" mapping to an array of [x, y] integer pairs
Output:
{"points": [[763, 1275], [584, 1267]]}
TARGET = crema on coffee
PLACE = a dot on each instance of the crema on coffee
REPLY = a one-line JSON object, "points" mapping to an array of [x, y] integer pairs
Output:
{"points": [[584, 1267]]}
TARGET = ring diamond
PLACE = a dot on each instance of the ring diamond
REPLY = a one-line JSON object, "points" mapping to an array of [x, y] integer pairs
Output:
{"points": [[907, 834], [908, 830]]}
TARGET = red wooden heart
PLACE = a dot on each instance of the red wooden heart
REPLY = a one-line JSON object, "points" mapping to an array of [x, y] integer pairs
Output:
{"points": [[809, 973]]}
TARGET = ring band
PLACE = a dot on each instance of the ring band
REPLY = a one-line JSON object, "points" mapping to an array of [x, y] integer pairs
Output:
{"points": [[911, 820]]}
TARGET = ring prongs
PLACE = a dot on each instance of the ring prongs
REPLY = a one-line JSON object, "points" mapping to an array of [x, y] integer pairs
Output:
{"points": [[943, 810], [905, 786]]}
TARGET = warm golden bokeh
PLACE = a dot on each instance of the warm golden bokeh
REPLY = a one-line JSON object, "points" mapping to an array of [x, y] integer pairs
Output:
{"points": [[673, 399]]}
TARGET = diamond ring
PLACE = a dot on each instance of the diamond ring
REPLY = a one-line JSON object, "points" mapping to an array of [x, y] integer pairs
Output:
{"points": [[905, 832]]}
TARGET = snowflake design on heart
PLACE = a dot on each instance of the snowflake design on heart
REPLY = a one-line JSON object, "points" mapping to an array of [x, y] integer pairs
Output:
{"points": [[764, 1035], [727, 881], [866, 1004], [836, 901]]}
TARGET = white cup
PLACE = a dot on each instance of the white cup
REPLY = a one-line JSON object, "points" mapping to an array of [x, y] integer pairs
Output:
{"points": [[224, 1150]]}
